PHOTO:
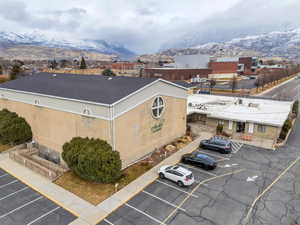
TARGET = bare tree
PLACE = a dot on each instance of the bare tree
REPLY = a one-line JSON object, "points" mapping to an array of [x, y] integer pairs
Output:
{"points": [[212, 84], [233, 83]]}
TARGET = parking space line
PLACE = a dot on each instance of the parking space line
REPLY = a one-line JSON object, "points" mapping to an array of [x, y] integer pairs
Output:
{"points": [[220, 160], [42, 216], [20, 207], [195, 168], [4, 175], [105, 220], [211, 154], [57, 202], [165, 201], [12, 182], [145, 214], [268, 188], [195, 188], [171, 186], [11, 194]]}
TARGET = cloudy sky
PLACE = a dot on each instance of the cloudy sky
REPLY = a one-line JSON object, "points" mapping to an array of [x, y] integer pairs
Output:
{"points": [[148, 25]]}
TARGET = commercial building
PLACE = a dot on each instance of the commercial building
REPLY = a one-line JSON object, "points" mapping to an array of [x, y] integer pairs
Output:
{"points": [[135, 115], [242, 118], [185, 67], [233, 66]]}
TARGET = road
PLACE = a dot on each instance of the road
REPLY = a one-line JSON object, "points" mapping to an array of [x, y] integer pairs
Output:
{"points": [[288, 90]]}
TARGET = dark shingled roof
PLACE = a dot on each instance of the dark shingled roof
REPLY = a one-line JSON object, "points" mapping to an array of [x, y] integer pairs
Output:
{"points": [[93, 88]]}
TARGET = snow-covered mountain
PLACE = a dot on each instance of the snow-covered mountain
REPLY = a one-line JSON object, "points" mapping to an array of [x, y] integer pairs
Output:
{"points": [[284, 44], [11, 39]]}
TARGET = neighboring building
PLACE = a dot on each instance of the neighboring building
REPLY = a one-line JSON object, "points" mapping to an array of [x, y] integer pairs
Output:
{"points": [[175, 74], [123, 66], [185, 67], [248, 65], [233, 66], [135, 115], [191, 61], [241, 117], [226, 67]]}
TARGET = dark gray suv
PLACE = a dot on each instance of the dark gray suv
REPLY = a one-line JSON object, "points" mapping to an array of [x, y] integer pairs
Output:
{"points": [[218, 144]]}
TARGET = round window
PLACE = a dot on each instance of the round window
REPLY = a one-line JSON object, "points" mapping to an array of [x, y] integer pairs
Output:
{"points": [[158, 107]]}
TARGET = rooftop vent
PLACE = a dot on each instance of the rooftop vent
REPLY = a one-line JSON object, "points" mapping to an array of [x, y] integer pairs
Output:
{"points": [[253, 105]]}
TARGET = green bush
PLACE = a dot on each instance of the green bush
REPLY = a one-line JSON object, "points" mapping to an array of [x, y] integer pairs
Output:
{"points": [[92, 159], [13, 129], [108, 72], [295, 108], [285, 129]]}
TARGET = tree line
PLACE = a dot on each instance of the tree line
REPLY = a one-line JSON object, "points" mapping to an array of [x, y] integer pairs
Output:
{"points": [[273, 76]]}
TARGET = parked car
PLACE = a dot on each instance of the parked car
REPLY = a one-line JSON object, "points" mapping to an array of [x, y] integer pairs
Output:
{"points": [[200, 160], [181, 176], [218, 144]]}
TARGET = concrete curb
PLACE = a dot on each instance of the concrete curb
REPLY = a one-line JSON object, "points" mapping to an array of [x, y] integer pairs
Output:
{"points": [[118, 199]]}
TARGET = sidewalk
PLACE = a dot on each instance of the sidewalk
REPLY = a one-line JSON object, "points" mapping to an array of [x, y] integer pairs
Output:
{"points": [[87, 213]]}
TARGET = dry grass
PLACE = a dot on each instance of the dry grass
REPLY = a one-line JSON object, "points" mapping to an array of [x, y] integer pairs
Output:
{"points": [[95, 192], [4, 148]]}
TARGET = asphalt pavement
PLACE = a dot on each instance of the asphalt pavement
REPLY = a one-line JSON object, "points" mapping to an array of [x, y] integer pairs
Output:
{"points": [[251, 186], [21, 205]]}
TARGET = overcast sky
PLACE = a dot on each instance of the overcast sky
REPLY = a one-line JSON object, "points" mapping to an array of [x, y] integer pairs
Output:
{"points": [[146, 25]]}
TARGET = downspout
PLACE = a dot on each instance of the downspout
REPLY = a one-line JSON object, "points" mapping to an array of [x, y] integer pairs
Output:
{"points": [[112, 127]]}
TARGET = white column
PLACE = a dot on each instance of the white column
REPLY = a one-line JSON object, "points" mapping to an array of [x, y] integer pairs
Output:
{"points": [[230, 124], [251, 128]]}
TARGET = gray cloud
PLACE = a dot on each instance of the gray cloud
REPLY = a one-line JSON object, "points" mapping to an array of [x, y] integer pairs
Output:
{"points": [[145, 26], [18, 12], [246, 18]]}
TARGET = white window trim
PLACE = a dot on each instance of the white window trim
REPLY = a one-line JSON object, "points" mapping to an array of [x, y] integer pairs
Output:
{"points": [[158, 107]]}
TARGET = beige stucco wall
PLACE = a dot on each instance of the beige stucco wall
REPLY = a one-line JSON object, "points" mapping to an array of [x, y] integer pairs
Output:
{"points": [[52, 128], [134, 138], [271, 132]]}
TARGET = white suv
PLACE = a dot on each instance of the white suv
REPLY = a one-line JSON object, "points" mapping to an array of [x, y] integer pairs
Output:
{"points": [[178, 174]]}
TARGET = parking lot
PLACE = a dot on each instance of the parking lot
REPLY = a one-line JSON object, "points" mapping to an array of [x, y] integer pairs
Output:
{"points": [[21, 205], [163, 202]]}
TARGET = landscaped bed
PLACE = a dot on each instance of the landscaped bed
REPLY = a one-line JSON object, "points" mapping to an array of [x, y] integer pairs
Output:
{"points": [[97, 192], [3, 148]]}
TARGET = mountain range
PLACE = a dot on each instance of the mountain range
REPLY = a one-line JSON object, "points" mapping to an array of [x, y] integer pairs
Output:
{"points": [[283, 44], [43, 47]]}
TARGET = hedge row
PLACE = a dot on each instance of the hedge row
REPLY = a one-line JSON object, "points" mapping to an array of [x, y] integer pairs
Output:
{"points": [[13, 129], [285, 129], [92, 159]]}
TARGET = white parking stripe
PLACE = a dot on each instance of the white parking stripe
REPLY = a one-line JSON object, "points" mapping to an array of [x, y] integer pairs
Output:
{"points": [[41, 217], [16, 192], [165, 201], [145, 214], [171, 186], [211, 154], [4, 175], [220, 160], [4, 185], [194, 168], [108, 222], [20, 207]]}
